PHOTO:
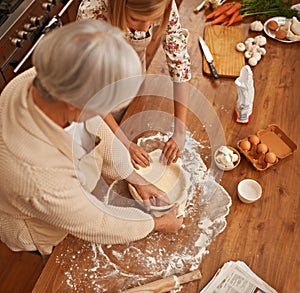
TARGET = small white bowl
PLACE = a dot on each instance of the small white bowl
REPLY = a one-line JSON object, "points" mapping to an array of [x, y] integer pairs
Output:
{"points": [[223, 167], [249, 191]]}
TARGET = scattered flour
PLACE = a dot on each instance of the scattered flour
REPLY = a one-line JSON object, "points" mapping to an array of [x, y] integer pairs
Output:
{"points": [[204, 221]]}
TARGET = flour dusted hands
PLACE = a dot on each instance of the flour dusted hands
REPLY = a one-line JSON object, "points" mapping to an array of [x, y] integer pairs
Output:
{"points": [[170, 152], [172, 149], [169, 222], [152, 195], [139, 157]]}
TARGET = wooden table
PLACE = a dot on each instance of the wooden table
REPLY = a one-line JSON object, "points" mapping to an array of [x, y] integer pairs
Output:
{"points": [[266, 234]]}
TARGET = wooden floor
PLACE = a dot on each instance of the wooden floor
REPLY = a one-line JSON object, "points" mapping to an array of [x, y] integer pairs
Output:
{"points": [[19, 271]]}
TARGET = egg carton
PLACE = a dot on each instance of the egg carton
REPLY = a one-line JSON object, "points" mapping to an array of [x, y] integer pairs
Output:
{"points": [[277, 142]]}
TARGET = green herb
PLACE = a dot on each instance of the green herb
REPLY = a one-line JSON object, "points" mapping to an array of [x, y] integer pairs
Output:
{"points": [[268, 8]]}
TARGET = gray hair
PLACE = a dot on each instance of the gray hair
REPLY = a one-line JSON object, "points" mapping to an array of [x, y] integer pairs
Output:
{"points": [[75, 62]]}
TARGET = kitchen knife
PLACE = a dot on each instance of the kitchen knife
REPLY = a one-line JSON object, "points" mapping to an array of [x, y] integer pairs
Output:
{"points": [[208, 57]]}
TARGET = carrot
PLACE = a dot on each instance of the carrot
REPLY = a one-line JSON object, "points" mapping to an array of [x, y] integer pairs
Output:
{"points": [[220, 19], [233, 16], [235, 19], [210, 16], [233, 9], [221, 9], [218, 11]]}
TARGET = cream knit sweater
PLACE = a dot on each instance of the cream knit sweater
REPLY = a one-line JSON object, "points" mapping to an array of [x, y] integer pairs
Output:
{"points": [[42, 196]]}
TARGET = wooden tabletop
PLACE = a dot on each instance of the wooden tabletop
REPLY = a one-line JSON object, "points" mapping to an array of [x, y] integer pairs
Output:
{"points": [[265, 234]]}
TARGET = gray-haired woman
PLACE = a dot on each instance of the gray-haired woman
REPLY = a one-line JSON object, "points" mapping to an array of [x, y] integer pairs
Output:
{"points": [[47, 175]]}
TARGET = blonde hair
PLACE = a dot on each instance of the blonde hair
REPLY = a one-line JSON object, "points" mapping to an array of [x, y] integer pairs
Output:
{"points": [[117, 12], [74, 62]]}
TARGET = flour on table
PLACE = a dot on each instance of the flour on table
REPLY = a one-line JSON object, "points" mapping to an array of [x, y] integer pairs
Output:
{"points": [[205, 219]]}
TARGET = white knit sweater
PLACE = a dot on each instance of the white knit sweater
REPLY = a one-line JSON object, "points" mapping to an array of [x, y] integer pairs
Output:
{"points": [[42, 198]]}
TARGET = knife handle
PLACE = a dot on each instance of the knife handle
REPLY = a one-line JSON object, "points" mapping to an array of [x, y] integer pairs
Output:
{"points": [[213, 71]]}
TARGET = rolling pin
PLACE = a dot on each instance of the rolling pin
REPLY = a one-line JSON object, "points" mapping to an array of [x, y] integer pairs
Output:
{"points": [[166, 285]]}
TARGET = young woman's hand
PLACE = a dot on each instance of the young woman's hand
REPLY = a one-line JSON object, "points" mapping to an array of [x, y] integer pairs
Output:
{"points": [[170, 152], [139, 157], [172, 149], [169, 222]]}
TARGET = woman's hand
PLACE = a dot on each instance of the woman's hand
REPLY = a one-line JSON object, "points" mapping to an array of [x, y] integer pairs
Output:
{"points": [[172, 149], [139, 157], [152, 195], [169, 222], [137, 154], [170, 152]]}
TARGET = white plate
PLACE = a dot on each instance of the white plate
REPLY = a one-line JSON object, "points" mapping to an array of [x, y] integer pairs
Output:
{"points": [[281, 21], [296, 6]]}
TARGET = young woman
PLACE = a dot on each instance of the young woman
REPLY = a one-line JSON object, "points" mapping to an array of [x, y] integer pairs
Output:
{"points": [[47, 177], [137, 18]]}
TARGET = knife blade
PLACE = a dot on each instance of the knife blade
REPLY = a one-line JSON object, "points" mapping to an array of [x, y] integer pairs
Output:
{"points": [[209, 58]]}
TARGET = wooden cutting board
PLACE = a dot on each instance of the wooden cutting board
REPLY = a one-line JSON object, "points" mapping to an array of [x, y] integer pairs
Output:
{"points": [[221, 41]]}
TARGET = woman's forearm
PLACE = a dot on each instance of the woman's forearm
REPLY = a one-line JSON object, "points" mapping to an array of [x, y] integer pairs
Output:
{"points": [[113, 125], [181, 98]]}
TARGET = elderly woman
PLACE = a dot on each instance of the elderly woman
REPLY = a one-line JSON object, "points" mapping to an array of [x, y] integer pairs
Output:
{"points": [[47, 176]]}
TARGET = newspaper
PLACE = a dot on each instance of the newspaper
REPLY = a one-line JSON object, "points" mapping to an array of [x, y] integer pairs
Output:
{"points": [[236, 277]]}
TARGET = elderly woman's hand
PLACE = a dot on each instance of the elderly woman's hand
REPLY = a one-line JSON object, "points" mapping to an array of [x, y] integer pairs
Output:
{"points": [[169, 222], [152, 195]]}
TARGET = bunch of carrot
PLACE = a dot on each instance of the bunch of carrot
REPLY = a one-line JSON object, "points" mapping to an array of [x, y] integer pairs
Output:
{"points": [[226, 14]]}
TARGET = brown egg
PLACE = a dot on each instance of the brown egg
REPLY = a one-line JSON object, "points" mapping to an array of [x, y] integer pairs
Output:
{"points": [[245, 145], [280, 34], [254, 139], [270, 157], [262, 148], [273, 25]]}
